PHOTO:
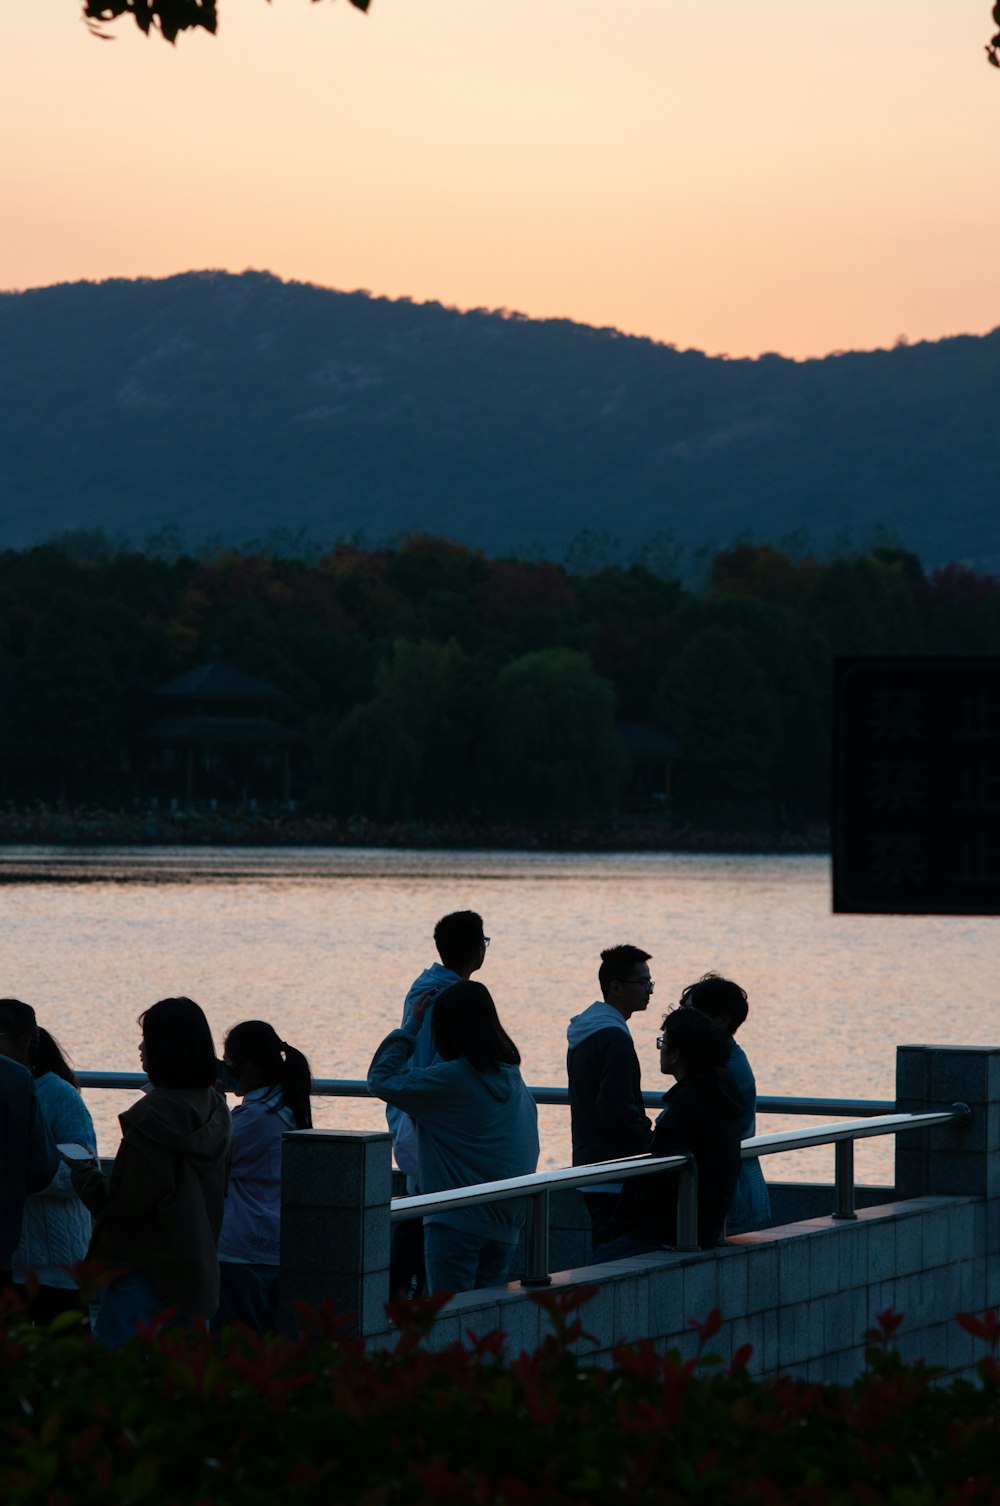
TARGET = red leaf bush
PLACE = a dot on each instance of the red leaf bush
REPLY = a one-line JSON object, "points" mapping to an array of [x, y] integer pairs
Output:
{"points": [[181, 1418]]}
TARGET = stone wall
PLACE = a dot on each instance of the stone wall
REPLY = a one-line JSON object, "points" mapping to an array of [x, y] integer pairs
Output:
{"points": [[801, 1294]]}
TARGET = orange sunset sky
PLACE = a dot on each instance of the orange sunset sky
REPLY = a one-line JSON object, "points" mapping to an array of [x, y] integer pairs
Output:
{"points": [[789, 175]]}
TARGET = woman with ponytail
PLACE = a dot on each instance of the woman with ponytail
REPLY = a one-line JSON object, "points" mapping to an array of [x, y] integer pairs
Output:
{"points": [[273, 1080]]}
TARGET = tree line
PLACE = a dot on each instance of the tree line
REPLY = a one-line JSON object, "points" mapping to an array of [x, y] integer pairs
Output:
{"points": [[428, 682]]}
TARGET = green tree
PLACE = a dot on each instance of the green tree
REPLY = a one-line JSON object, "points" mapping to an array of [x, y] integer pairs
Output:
{"points": [[718, 705], [551, 751], [409, 752]]}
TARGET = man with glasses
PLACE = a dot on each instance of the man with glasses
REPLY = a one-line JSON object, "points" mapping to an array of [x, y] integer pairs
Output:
{"points": [[461, 944], [605, 1088]]}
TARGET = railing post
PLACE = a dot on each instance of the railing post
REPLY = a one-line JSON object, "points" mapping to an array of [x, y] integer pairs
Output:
{"points": [[536, 1241], [687, 1207], [844, 1178]]}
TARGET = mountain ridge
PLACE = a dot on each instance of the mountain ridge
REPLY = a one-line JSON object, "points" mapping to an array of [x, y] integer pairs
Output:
{"points": [[229, 405]]}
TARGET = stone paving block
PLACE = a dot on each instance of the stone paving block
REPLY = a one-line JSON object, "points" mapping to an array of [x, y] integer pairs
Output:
{"points": [[937, 1234], [374, 1296], [378, 1172], [631, 1309], [849, 1365], [598, 1317], [824, 1263], [911, 1167], [376, 1236], [445, 1332], [816, 1339], [762, 1279], [843, 1319], [913, 1073], [959, 1074], [793, 1270], [521, 1322], [732, 1284], [961, 1349], [700, 1289], [326, 1168], [770, 1344], [854, 1254], [909, 1245], [794, 1335], [666, 1301], [321, 1239]]}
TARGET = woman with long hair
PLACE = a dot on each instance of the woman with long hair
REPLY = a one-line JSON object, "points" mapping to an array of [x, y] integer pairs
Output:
{"points": [[274, 1080], [476, 1122], [158, 1215], [55, 1232]]}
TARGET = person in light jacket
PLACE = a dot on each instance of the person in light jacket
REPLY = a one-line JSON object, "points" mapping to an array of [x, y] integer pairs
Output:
{"points": [[476, 1122], [56, 1229], [273, 1079]]}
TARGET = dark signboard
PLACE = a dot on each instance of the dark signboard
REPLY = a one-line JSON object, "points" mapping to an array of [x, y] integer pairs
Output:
{"points": [[916, 787]]}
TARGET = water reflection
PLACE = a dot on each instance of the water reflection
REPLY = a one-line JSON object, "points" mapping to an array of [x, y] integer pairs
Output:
{"points": [[325, 943]]}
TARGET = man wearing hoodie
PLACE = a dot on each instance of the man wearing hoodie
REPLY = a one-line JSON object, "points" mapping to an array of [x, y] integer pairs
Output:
{"points": [[461, 945], [605, 1088]]}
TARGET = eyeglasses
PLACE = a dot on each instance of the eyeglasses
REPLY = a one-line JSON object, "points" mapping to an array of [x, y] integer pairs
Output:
{"points": [[645, 983], [486, 941], [661, 1041]]}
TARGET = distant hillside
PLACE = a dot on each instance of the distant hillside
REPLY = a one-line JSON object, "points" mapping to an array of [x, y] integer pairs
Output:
{"points": [[233, 405]]}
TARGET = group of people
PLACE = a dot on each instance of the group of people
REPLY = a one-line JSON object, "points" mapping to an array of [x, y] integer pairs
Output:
{"points": [[460, 1114], [189, 1216]]}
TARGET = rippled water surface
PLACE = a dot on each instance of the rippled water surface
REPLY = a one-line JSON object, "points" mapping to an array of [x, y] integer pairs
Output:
{"points": [[324, 943]]}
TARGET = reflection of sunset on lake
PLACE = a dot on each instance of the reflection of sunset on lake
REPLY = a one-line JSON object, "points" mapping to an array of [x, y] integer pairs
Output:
{"points": [[324, 944], [784, 176]]}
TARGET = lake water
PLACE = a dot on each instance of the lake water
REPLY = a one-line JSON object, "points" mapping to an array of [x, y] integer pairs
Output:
{"points": [[325, 942]]}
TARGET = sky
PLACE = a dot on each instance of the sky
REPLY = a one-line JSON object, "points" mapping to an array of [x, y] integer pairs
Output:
{"points": [[797, 176]]}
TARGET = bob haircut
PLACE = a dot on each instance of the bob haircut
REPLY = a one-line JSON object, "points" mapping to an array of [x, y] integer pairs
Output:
{"points": [[179, 1051], [17, 1020], [697, 1038], [464, 1022], [717, 997]]}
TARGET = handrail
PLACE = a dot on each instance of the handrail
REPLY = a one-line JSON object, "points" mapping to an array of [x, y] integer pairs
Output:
{"points": [[357, 1087], [537, 1185]]}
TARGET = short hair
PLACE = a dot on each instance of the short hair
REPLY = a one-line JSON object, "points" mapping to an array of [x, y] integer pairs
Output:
{"points": [[178, 1047], [715, 996], [698, 1039], [616, 964], [458, 937], [464, 1022]]}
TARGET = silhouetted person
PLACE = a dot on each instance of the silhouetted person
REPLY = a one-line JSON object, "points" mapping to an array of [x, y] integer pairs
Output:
{"points": [[56, 1230], [477, 1122], [701, 1114], [461, 945], [725, 1003], [605, 1087], [29, 1158]]}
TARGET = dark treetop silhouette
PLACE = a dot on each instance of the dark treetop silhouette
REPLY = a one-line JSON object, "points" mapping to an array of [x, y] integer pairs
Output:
{"points": [[173, 16]]}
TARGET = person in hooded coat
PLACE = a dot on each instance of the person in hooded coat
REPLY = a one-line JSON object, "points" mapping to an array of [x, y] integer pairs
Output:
{"points": [[702, 1113], [157, 1216], [476, 1122], [461, 944]]}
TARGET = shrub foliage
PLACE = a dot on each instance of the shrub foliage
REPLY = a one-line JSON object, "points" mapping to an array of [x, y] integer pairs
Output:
{"points": [[184, 1419]]}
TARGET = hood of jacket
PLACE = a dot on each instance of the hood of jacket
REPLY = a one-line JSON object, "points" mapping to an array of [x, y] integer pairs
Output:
{"points": [[599, 1016], [501, 1082], [193, 1121]]}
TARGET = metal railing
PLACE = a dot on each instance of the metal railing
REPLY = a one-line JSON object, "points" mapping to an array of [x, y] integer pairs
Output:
{"points": [[356, 1087], [535, 1188]]}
